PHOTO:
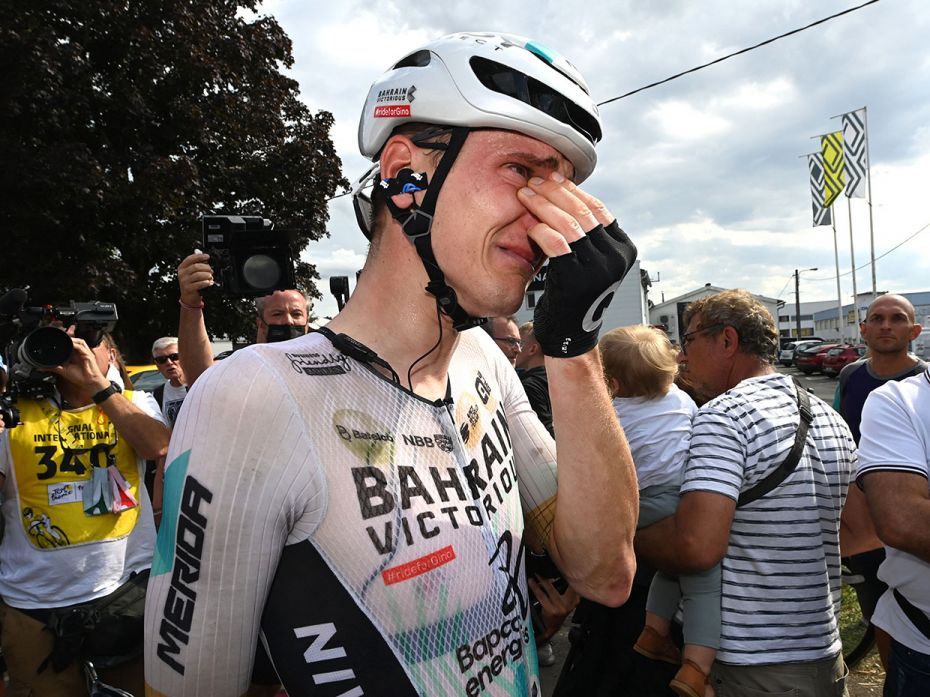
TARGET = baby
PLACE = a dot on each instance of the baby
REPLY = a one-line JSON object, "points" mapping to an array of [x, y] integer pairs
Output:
{"points": [[640, 366]]}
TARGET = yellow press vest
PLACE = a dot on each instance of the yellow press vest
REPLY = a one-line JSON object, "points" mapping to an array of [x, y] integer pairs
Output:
{"points": [[53, 454]]}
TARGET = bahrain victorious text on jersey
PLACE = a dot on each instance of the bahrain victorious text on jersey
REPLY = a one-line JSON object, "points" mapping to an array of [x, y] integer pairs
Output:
{"points": [[372, 540]]}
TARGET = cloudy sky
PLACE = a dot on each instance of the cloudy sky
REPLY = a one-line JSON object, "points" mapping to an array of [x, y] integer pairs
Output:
{"points": [[703, 172]]}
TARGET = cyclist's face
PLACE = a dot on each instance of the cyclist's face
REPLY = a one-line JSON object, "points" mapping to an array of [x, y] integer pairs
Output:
{"points": [[480, 237]]}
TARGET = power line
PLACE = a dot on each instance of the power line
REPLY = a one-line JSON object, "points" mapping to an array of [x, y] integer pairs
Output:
{"points": [[880, 256], [736, 53], [778, 294], [713, 62]]}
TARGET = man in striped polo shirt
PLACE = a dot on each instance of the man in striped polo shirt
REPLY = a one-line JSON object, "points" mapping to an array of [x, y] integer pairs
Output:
{"points": [[780, 553]]}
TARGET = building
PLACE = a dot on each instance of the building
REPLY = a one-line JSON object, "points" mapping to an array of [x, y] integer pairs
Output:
{"points": [[668, 314], [826, 324], [630, 304], [787, 326]]}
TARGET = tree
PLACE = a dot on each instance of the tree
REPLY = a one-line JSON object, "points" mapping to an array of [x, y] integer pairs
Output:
{"points": [[121, 123]]}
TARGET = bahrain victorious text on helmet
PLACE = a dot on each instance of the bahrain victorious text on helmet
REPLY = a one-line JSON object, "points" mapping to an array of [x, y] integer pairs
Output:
{"points": [[482, 80]]}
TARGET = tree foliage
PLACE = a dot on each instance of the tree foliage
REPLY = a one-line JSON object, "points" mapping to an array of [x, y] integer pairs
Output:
{"points": [[121, 123]]}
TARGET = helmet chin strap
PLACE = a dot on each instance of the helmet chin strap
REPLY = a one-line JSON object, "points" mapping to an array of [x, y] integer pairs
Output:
{"points": [[417, 223]]}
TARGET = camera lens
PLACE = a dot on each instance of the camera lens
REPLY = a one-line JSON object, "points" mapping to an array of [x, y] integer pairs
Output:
{"points": [[45, 347], [261, 271]]}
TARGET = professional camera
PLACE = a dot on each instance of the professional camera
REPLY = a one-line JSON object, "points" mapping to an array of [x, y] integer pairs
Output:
{"points": [[249, 257], [33, 342]]}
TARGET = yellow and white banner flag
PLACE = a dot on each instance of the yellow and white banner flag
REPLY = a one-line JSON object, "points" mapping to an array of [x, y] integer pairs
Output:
{"points": [[831, 145]]}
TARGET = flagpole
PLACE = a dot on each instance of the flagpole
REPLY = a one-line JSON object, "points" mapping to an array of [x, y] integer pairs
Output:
{"points": [[852, 260], [868, 174], [839, 293], [868, 166]]}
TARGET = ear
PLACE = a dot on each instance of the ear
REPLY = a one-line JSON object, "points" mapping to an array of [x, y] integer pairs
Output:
{"points": [[613, 386], [730, 341], [915, 331], [399, 153]]}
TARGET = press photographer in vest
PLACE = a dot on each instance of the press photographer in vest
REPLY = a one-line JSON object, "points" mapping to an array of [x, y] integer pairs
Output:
{"points": [[79, 535]]}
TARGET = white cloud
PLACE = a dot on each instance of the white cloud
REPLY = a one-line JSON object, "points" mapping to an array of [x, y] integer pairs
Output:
{"points": [[679, 120], [758, 96], [702, 171], [339, 262]]}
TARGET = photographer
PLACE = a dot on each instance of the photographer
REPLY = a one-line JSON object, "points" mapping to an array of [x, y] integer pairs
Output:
{"points": [[281, 315], [79, 535]]}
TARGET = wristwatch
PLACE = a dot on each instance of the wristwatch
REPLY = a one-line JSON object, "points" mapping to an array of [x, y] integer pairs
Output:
{"points": [[106, 393]]}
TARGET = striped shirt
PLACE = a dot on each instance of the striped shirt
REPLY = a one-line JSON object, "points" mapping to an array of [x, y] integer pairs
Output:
{"points": [[781, 572]]}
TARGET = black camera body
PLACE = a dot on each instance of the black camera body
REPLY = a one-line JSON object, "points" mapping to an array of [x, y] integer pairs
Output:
{"points": [[249, 257], [32, 342]]}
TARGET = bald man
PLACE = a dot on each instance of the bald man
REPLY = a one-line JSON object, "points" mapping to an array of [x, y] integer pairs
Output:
{"points": [[887, 331]]}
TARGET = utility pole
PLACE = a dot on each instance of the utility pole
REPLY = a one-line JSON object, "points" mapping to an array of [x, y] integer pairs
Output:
{"points": [[797, 303], [797, 299]]}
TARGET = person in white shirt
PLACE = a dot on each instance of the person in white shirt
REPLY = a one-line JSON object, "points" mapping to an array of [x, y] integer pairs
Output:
{"points": [[170, 395], [894, 458]]}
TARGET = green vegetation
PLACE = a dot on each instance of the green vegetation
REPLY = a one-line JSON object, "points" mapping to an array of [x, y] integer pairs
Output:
{"points": [[121, 123]]}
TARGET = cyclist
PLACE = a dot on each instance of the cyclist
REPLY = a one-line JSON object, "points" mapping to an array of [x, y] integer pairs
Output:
{"points": [[356, 493], [40, 527]]}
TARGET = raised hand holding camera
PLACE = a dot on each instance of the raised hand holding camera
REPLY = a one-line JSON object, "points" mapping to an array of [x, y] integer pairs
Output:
{"points": [[250, 257], [194, 274], [589, 258], [81, 368]]}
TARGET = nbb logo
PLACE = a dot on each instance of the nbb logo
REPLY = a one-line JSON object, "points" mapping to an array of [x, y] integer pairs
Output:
{"points": [[441, 441]]}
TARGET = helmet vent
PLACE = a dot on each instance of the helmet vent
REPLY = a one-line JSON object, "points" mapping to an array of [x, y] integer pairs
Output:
{"points": [[520, 86], [419, 59]]}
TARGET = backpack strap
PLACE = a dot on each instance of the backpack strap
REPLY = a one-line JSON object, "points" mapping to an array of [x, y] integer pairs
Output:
{"points": [[780, 473], [917, 617], [159, 394]]}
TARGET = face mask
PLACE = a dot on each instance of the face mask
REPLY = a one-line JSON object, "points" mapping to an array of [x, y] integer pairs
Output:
{"points": [[284, 332]]}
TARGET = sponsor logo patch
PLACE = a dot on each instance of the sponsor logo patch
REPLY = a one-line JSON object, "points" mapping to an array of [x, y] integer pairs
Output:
{"points": [[368, 439], [65, 492], [444, 442], [391, 112], [396, 94], [319, 363], [428, 562]]}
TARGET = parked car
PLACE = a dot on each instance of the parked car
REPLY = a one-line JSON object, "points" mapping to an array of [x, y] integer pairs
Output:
{"points": [[786, 356], [145, 377], [810, 360], [841, 356]]}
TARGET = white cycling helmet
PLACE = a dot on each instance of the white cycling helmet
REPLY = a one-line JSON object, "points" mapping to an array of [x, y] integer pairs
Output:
{"points": [[483, 80]]}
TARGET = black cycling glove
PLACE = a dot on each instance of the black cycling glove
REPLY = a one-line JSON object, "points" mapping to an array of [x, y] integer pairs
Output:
{"points": [[579, 287]]}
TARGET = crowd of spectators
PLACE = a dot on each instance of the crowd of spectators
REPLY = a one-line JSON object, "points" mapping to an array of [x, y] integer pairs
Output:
{"points": [[95, 424]]}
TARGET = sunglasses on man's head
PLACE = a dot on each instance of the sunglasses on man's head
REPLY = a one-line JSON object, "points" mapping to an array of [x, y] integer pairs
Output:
{"points": [[161, 360]]}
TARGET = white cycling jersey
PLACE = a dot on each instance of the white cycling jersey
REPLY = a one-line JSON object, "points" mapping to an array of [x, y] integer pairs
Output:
{"points": [[374, 537]]}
